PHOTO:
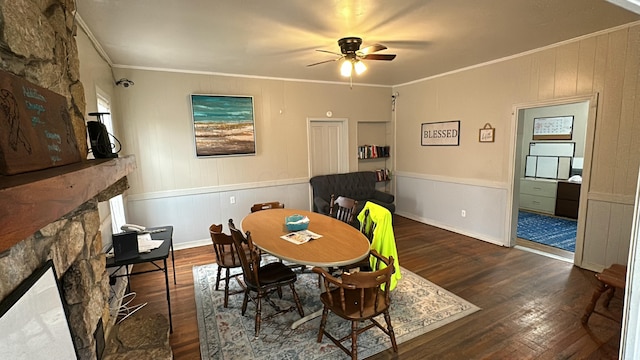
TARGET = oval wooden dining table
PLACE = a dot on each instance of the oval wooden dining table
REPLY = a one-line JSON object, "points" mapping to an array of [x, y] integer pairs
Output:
{"points": [[341, 244]]}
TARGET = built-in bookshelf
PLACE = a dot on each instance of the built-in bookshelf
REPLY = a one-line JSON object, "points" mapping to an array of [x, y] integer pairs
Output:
{"points": [[374, 151]]}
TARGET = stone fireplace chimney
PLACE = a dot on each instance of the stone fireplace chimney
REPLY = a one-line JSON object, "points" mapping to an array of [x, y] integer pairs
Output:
{"points": [[58, 206]]}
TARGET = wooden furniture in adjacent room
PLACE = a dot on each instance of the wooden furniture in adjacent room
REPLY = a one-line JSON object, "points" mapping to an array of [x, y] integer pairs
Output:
{"points": [[610, 279], [567, 199], [262, 280], [538, 195], [357, 297]]}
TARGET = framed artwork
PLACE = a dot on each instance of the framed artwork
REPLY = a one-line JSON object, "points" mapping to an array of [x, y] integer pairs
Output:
{"points": [[223, 125], [553, 128], [34, 321], [444, 133], [487, 133]]}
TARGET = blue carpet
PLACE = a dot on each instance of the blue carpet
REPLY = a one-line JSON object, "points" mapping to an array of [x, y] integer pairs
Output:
{"points": [[557, 232]]}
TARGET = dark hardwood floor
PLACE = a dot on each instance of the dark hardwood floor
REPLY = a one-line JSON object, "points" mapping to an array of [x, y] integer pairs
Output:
{"points": [[531, 304]]}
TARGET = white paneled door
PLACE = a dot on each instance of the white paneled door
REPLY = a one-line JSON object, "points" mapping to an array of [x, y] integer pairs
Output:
{"points": [[328, 140]]}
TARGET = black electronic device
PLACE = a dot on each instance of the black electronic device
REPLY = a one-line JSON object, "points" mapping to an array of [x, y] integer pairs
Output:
{"points": [[99, 137], [125, 245]]}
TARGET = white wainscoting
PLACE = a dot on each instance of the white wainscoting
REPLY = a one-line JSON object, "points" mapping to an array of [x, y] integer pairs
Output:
{"points": [[192, 211], [440, 201]]}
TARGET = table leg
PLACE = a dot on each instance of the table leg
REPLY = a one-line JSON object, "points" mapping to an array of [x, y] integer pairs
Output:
{"points": [[173, 263], [306, 318], [166, 283]]}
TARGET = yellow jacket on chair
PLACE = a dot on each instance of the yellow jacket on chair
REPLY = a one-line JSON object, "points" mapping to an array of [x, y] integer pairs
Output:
{"points": [[384, 242]]}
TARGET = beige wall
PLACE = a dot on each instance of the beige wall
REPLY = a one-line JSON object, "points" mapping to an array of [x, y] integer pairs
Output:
{"points": [[607, 64], [157, 127], [95, 74]]}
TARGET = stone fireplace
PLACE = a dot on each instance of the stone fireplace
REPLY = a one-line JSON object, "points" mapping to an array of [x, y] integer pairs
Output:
{"points": [[52, 213]]}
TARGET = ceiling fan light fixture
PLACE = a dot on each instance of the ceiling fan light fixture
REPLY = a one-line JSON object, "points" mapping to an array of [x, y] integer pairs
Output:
{"points": [[359, 67], [346, 68]]}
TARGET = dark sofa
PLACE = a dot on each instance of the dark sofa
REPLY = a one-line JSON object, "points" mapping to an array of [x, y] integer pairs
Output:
{"points": [[359, 186]]}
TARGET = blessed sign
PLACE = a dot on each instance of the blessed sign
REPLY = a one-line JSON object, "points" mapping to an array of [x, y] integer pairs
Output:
{"points": [[35, 127], [445, 133]]}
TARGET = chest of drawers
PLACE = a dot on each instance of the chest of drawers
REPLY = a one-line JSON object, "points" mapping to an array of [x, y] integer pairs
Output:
{"points": [[538, 195], [567, 199]]}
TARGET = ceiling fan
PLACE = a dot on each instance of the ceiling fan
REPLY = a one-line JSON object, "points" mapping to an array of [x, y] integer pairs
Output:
{"points": [[353, 55]]}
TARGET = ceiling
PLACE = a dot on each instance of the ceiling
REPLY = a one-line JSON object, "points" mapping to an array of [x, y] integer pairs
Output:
{"points": [[279, 38]]}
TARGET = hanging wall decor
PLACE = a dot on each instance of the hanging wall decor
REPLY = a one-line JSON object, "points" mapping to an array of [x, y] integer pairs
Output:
{"points": [[487, 133], [553, 128], [444, 133], [223, 125]]}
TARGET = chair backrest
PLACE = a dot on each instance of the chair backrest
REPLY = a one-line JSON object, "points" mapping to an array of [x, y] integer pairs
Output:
{"points": [[223, 246], [251, 261], [343, 208], [359, 284], [267, 206], [368, 226]]}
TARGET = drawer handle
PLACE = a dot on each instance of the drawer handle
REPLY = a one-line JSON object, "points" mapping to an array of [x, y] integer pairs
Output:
{"points": [[536, 202], [537, 188]]}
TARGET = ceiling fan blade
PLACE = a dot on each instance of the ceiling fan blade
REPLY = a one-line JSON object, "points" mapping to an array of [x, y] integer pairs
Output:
{"points": [[329, 52], [373, 48], [323, 62], [387, 57]]}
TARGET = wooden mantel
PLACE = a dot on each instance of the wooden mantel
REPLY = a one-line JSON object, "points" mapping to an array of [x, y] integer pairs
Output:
{"points": [[30, 201]]}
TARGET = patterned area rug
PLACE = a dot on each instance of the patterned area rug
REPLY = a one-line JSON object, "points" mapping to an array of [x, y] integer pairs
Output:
{"points": [[548, 230], [418, 306]]}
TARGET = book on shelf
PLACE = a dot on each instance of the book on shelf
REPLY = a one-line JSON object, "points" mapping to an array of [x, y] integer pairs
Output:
{"points": [[373, 151], [382, 174]]}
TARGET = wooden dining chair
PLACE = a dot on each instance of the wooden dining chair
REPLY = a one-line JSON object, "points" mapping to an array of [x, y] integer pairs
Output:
{"points": [[226, 258], [367, 228], [267, 206], [343, 209], [262, 280], [358, 297]]}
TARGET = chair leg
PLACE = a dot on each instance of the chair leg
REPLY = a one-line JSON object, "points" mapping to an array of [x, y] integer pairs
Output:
{"points": [[392, 334], [245, 301], [297, 300], [354, 340], [226, 287], [258, 313], [609, 296], [218, 278], [594, 299], [323, 322], [280, 292]]}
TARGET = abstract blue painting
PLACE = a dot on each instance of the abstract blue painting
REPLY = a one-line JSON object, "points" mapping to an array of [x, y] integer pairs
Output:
{"points": [[223, 125]]}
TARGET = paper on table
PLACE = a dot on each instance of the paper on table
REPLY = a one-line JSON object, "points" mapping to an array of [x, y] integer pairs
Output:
{"points": [[300, 237], [146, 244]]}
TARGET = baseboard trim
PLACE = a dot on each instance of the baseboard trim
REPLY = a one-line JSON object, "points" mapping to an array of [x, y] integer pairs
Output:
{"points": [[192, 244], [452, 229]]}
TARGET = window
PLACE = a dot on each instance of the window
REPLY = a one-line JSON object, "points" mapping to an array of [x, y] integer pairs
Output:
{"points": [[116, 204]]}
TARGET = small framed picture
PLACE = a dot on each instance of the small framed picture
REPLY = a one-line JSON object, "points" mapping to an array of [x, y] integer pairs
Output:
{"points": [[487, 133]]}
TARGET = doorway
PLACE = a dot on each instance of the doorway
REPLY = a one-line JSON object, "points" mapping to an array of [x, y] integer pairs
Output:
{"points": [[549, 175], [328, 139], [328, 147]]}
